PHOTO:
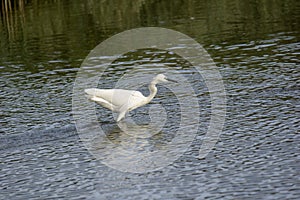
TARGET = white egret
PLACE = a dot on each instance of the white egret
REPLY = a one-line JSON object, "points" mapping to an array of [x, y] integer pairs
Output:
{"points": [[122, 101]]}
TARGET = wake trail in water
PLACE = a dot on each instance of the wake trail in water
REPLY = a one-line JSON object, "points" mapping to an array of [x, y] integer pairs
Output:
{"points": [[37, 136]]}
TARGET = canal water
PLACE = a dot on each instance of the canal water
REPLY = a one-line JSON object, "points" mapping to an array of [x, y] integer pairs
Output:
{"points": [[255, 46]]}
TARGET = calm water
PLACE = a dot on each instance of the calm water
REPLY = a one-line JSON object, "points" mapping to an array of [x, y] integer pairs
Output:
{"points": [[256, 47]]}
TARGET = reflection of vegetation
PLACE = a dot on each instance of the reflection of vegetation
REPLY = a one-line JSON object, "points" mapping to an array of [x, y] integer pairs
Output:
{"points": [[11, 5], [45, 18], [85, 23], [9, 8]]}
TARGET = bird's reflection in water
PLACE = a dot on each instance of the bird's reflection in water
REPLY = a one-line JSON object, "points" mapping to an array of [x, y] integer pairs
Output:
{"points": [[128, 136], [131, 147]]}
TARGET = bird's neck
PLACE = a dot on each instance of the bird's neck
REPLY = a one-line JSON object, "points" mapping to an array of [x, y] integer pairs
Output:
{"points": [[153, 91]]}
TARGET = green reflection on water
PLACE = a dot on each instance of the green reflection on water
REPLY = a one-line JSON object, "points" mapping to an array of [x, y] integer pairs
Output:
{"points": [[85, 23]]}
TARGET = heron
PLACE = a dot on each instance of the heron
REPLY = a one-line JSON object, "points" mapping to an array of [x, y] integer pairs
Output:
{"points": [[122, 101]]}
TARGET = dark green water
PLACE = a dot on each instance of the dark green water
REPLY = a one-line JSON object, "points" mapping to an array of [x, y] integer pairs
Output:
{"points": [[256, 46]]}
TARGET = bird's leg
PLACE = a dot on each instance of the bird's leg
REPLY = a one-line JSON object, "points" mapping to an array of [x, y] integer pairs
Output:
{"points": [[123, 110], [121, 115]]}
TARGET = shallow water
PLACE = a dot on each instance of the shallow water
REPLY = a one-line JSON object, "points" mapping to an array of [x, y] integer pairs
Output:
{"points": [[256, 48]]}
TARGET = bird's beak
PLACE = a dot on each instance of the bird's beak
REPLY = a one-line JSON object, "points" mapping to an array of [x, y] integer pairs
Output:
{"points": [[171, 80]]}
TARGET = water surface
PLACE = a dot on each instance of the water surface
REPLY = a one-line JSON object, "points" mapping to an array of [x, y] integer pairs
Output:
{"points": [[254, 44]]}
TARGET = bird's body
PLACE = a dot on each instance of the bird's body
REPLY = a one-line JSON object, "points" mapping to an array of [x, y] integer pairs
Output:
{"points": [[123, 101], [114, 99]]}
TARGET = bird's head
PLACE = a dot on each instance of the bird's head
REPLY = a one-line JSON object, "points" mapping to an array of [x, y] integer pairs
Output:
{"points": [[160, 78]]}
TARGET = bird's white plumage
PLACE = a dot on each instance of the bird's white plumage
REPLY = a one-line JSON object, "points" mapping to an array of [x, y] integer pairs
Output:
{"points": [[123, 101]]}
